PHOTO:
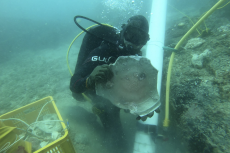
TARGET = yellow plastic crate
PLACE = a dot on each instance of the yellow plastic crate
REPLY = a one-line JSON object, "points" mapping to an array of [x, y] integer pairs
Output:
{"points": [[29, 114]]}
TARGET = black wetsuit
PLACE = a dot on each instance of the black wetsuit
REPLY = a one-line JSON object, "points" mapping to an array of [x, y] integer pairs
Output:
{"points": [[94, 52]]}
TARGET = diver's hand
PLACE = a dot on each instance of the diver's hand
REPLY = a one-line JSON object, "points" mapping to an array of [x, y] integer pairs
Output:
{"points": [[101, 73], [144, 118]]}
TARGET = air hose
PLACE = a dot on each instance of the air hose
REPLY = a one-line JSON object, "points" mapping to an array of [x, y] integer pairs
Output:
{"points": [[85, 30]]}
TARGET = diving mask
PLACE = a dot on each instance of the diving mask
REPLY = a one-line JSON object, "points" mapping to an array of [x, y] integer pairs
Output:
{"points": [[136, 36]]}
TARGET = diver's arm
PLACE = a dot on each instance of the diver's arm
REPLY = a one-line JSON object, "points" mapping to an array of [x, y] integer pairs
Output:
{"points": [[100, 73], [78, 83]]}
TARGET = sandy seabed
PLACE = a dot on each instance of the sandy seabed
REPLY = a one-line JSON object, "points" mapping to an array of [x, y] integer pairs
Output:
{"points": [[28, 76]]}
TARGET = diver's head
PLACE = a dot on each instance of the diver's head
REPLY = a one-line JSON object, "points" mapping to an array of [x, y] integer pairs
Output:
{"points": [[135, 32]]}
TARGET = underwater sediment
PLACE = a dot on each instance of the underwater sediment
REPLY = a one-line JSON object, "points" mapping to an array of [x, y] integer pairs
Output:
{"points": [[200, 85]]}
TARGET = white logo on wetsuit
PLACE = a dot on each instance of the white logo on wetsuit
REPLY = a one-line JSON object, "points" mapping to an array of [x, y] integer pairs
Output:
{"points": [[101, 59]]}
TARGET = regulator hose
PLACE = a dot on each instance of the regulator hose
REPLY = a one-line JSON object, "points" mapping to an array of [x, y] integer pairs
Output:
{"points": [[106, 25]]}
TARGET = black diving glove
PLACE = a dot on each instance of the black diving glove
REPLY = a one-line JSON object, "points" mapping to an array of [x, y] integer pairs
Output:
{"points": [[143, 118], [101, 73]]}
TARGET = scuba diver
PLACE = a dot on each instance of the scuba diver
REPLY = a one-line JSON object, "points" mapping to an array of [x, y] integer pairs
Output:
{"points": [[101, 46]]}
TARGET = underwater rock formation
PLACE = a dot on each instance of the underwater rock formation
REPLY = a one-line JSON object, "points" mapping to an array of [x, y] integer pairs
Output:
{"points": [[196, 108], [181, 24], [197, 60], [225, 28], [200, 92], [194, 42]]}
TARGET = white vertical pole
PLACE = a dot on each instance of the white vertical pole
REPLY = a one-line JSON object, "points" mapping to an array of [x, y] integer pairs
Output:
{"points": [[154, 52]]}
